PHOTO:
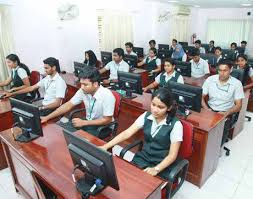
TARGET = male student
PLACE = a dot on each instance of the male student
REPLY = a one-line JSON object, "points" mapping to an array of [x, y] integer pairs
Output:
{"points": [[129, 49], [99, 103], [211, 47], [225, 93], [177, 50], [218, 53], [198, 46], [53, 85], [152, 43], [244, 45], [199, 66], [117, 64]]}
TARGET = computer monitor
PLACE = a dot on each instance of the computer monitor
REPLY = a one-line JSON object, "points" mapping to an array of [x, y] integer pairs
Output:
{"points": [[163, 54], [106, 57], [238, 74], [96, 163], [130, 82], [131, 60], [163, 47], [230, 54], [27, 117], [250, 61], [184, 68], [183, 43], [240, 50], [187, 96], [188, 49], [139, 51], [78, 67], [210, 58]]}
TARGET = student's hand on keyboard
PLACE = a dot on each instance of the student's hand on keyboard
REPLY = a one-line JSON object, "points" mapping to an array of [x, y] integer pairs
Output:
{"points": [[77, 122]]}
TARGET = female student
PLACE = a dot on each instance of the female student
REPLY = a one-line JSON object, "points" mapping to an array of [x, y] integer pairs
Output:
{"points": [[153, 63], [19, 78], [170, 74], [90, 58], [163, 134], [242, 63]]}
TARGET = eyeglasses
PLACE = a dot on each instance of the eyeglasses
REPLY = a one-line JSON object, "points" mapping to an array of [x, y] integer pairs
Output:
{"points": [[224, 88]]}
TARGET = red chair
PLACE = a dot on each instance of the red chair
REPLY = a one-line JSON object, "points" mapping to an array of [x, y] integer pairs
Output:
{"points": [[109, 130], [180, 166]]}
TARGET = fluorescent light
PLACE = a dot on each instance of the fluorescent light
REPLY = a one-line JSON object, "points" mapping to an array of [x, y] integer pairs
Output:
{"points": [[173, 1], [246, 4], [196, 6]]}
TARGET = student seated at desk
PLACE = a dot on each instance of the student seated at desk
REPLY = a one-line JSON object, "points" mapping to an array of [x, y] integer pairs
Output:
{"points": [[53, 85], [153, 64], [152, 43], [225, 94], [242, 63], [211, 48], [129, 49], [199, 66], [163, 134], [117, 64], [244, 46], [233, 46], [198, 46], [218, 53], [178, 51], [90, 58], [170, 74], [19, 78], [99, 103]]}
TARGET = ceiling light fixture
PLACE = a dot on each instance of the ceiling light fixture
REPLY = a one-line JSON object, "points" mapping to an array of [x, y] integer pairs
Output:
{"points": [[173, 1], [196, 6], [246, 4]]}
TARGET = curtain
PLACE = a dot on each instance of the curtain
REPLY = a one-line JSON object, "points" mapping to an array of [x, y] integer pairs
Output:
{"points": [[115, 30], [226, 31], [179, 28], [6, 40]]}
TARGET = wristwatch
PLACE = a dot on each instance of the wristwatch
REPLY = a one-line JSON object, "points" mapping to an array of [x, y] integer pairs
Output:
{"points": [[157, 169]]}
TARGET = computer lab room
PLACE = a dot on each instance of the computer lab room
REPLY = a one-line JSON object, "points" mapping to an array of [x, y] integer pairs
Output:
{"points": [[126, 99]]}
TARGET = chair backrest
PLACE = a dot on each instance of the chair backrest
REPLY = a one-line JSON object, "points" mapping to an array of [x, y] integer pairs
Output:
{"points": [[186, 147], [34, 77], [117, 103], [65, 99]]}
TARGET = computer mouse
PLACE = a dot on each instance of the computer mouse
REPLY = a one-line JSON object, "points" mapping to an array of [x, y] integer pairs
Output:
{"points": [[64, 120]]}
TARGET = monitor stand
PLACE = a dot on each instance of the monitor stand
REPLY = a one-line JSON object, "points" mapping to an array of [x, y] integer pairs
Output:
{"points": [[129, 95], [84, 184], [26, 136], [183, 111]]}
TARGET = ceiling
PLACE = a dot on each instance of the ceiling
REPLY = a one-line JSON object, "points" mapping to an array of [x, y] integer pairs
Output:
{"points": [[211, 3]]}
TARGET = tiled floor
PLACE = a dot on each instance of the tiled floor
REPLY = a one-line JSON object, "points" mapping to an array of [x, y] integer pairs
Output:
{"points": [[233, 178]]}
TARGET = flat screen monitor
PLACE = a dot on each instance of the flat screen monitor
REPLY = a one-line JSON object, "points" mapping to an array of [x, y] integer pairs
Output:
{"points": [[240, 50], [230, 54], [184, 68], [186, 95], [238, 74], [79, 67], [106, 57], [131, 60], [96, 163], [139, 51], [183, 43], [188, 49], [163, 47], [210, 58], [163, 54], [27, 117]]}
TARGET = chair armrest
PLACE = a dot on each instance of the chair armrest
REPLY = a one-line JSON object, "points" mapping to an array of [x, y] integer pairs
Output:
{"points": [[112, 125], [75, 111], [130, 146], [179, 166]]}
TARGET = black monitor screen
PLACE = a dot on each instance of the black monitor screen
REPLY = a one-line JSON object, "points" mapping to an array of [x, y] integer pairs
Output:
{"points": [[187, 95], [139, 51], [163, 47], [184, 68], [130, 81], [131, 60], [238, 74], [106, 57], [210, 58], [182, 43], [188, 49], [79, 67], [162, 54]]}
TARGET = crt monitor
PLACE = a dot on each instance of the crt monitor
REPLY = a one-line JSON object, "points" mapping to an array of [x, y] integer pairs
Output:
{"points": [[130, 82], [183, 43], [131, 60], [139, 51], [96, 163], [184, 68], [238, 74], [163, 54], [106, 57], [187, 96], [163, 47], [210, 58], [27, 117]]}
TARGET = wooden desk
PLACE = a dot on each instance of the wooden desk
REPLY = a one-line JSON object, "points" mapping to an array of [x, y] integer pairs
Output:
{"points": [[6, 121], [48, 159]]}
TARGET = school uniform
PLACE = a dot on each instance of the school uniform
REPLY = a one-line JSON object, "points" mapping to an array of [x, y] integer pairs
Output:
{"points": [[132, 53], [101, 104], [157, 141], [114, 68], [163, 78], [199, 69], [17, 76], [202, 50], [211, 50], [152, 63]]}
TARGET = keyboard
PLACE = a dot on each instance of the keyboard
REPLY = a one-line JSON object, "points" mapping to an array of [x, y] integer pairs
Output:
{"points": [[68, 126]]}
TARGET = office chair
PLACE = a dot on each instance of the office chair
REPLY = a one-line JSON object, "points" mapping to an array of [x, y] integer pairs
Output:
{"points": [[108, 131], [180, 166]]}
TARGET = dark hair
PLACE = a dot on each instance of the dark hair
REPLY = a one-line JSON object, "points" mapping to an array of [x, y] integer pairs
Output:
{"points": [[92, 58], [227, 62], [212, 41], [198, 42], [154, 50], [129, 44], [218, 48], [195, 52], [119, 51], [152, 42], [170, 60], [244, 42], [15, 58], [90, 73], [164, 94], [245, 69], [51, 61], [174, 40], [233, 44]]}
